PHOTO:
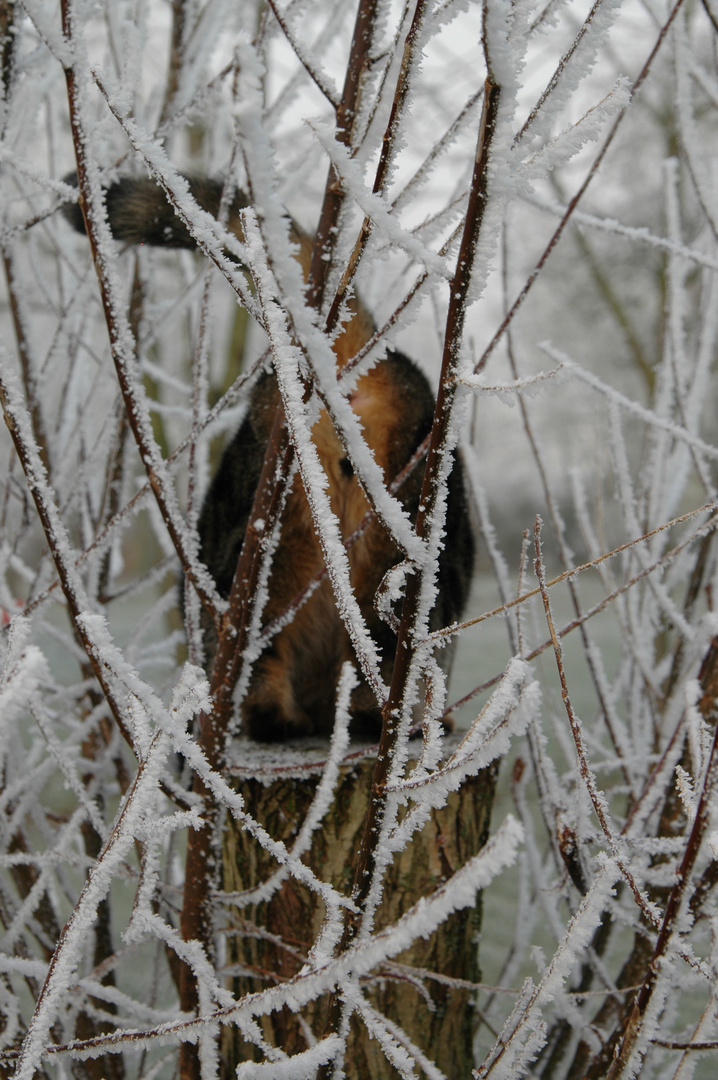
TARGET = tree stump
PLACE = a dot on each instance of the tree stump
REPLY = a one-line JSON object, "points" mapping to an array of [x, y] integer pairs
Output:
{"points": [[268, 942]]}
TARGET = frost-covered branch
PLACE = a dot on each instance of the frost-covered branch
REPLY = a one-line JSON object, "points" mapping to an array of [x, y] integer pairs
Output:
{"points": [[443, 185]]}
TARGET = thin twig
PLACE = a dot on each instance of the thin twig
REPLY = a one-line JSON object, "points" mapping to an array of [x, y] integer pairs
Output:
{"points": [[628, 1051], [531, 279], [121, 341], [58, 542], [316, 78], [598, 799]]}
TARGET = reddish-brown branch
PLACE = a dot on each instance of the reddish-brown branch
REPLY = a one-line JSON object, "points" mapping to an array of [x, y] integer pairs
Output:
{"points": [[136, 412], [195, 920], [389, 138], [664, 561], [267, 506], [574, 571], [177, 44], [325, 239], [104, 535], [572, 587], [365, 861], [444, 402], [299, 53], [26, 364], [560, 68], [587, 777], [708, 706]]}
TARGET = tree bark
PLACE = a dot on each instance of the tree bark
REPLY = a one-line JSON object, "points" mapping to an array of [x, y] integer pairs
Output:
{"points": [[437, 1017]]}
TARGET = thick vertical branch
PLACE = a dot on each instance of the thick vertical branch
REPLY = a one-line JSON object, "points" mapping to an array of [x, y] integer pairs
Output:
{"points": [[346, 115], [175, 59], [213, 725], [366, 856], [437, 448], [196, 915], [387, 149]]}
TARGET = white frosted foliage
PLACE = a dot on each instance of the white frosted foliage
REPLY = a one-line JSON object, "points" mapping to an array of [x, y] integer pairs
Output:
{"points": [[521, 198]]}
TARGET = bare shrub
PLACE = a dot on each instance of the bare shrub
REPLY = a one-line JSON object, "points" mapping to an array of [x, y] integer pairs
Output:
{"points": [[523, 195]]}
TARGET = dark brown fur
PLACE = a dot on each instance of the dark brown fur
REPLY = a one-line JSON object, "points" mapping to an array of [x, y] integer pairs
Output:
{"points": [[293, 687]]}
